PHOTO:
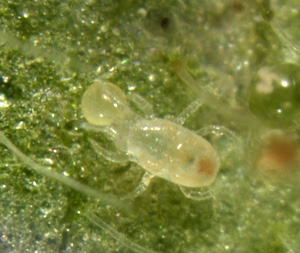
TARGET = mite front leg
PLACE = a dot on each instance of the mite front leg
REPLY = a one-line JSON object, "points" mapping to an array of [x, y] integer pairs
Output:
{"points": [[112, 156], [142, 104], [188, 111]]}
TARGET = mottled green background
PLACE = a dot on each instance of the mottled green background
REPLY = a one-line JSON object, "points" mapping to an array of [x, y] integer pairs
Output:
{"points": [[51, 51]]}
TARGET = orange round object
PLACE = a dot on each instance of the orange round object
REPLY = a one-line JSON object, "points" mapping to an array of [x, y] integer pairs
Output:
{"points": [[278, 156]]}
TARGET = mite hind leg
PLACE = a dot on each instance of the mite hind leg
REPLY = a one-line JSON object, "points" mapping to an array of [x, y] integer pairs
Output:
{"points": [[143, 185], [228, 145], [196, 193]]}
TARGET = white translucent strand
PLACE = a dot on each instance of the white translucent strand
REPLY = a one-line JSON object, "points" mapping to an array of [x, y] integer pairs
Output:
{"points": [[118, 236], [240, 115], [108, 199]]}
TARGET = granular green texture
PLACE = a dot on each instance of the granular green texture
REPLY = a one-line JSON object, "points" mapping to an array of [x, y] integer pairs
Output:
{"points": [[170, 53]]}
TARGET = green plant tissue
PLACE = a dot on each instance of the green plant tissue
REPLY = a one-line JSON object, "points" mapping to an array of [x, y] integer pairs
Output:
{"points": [[239, 59]]}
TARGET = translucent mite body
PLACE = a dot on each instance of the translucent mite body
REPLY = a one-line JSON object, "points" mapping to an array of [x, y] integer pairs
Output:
{"points": [[162, 147]]}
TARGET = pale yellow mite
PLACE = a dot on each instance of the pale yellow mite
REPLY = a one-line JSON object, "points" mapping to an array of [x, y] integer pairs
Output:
{"points": [[163, 148]]}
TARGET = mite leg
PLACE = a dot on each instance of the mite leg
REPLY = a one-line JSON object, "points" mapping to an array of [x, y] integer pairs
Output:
{"points": [[110, 131], [228, 145], [187, 112], [142, 104], [143, 185], [196, 193], [115, 156]]}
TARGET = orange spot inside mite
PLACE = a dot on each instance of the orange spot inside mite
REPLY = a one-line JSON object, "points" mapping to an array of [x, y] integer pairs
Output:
{"points": [[206, 166]]}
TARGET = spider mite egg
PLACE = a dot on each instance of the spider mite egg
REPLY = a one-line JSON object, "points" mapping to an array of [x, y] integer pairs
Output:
{"points": [[274, 93], [278, 155]]}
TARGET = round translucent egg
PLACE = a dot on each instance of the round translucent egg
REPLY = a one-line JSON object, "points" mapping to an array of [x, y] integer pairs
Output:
{"points": [[274, 93]]}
